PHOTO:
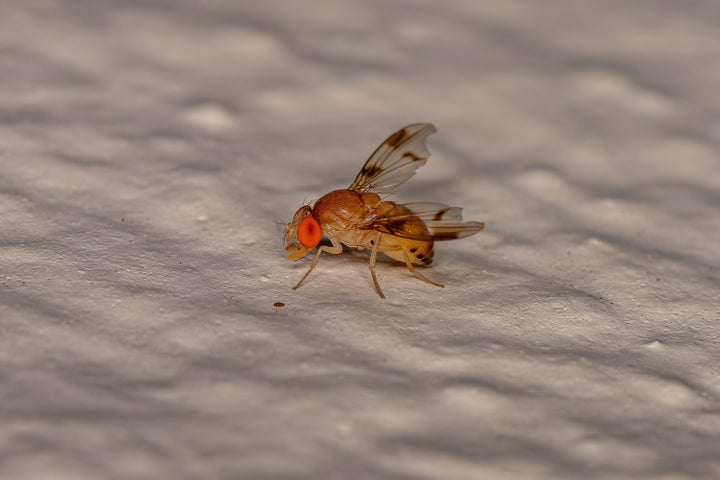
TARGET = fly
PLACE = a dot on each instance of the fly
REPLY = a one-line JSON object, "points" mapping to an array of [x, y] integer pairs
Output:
{"points": [[358, 217]]}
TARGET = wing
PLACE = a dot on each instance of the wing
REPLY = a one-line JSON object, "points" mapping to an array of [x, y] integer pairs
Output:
{"points": [[395, 160], [442, 222]]}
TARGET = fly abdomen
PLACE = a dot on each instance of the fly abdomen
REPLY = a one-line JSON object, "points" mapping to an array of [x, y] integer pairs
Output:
{"points": [[423, 254]]}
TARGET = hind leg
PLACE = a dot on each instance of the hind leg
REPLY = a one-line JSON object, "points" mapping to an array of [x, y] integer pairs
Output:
{"points": [[422, 277]]}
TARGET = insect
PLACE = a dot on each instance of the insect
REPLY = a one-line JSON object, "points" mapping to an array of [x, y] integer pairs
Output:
{"points": [[360, 218]]}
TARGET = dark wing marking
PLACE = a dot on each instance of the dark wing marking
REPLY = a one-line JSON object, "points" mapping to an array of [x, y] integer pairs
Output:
{"points": [[395, 160], [441, 221]]}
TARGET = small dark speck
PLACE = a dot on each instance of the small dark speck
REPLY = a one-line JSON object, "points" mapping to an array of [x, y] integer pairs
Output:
{"points": [[413, 250], [278, 304], [122, 219]]}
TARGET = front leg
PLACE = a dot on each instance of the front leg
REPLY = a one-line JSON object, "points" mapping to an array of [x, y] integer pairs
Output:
{"points": [[335, 249]]}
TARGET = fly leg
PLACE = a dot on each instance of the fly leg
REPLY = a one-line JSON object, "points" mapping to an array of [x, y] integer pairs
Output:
{"points": [[411, 267], [373, 259], [335, 249]]}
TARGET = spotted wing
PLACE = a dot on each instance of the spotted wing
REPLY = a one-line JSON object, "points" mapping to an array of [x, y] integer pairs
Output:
{"points": [[442, 222], [395, 160]]}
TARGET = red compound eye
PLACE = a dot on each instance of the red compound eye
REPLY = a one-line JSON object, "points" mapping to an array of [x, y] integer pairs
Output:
{"points": [[309, 232]]}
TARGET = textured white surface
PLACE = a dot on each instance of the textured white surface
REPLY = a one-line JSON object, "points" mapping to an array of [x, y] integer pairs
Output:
{"points": [[147, 149]]}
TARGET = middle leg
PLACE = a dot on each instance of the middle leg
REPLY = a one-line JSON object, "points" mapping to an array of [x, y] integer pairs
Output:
{"points": [[373, 259]]}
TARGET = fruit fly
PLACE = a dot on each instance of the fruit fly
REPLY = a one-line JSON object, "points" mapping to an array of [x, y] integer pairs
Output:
{"points": [[360, 218]]}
